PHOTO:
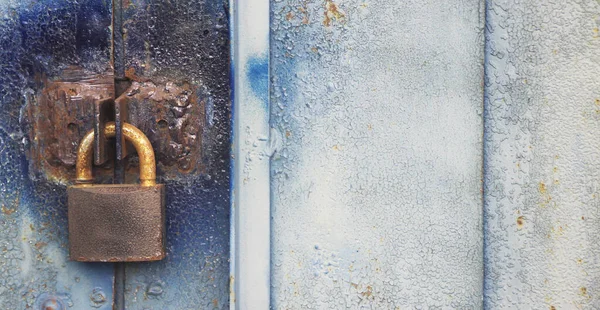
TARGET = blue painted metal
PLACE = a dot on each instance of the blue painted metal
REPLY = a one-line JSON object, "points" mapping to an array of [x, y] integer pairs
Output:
{"points": [[183, 41], [541, 155], [366, 166], [376, 109], [39, 39], [250, 208], [187, 40]]}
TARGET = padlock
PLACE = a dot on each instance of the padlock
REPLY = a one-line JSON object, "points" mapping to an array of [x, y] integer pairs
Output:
{"points": [[116, 222]]}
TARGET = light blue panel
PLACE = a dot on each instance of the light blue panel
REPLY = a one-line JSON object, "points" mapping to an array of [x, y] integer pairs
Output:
{"points": [[251, 151], [376, 115], [542, 183]]}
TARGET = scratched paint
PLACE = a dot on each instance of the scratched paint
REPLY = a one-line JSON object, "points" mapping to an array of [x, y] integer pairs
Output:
{"points": [[542, 151], [376, 182], [39, 39]]}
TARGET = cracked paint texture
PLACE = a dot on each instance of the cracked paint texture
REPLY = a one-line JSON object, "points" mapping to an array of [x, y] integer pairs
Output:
{"points": [[188, 41], [541, 155], [376, 173], [38, 39]]}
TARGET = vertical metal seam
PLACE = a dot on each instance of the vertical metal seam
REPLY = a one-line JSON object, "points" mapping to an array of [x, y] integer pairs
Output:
{"points": [[485, 143], [250, 249], [119, 72], [232, 217]]}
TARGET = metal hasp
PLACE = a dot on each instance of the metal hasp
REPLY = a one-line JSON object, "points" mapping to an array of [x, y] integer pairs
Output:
{"points": [[170, 113], [116, 222], [60, 114]]}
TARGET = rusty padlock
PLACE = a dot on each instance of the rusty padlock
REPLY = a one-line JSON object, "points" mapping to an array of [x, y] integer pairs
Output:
{"points": [[116, 222]]}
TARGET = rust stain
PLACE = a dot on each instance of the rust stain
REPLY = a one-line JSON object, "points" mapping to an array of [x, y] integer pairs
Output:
{"points": [[520, 222], [172, 116], [332, 12], [368, 292], [58, 116], [304, 11], [215, 303], [542, 187], [130, 74], [583, 292], [552, 308], [8, 211], [288, 134], [40, 245], [289, 16], [170, 113]]}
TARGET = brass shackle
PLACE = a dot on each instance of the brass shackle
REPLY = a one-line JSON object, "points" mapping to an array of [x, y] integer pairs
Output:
{"points": [[132, 134]]}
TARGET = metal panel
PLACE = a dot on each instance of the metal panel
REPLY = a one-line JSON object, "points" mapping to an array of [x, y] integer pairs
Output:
{"points": [[250, 209], [39, 39], [541, 155], [376, 109], [186, 41]]}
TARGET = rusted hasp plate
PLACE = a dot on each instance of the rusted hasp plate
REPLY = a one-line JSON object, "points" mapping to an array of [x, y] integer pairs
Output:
{"points": [[58, 117], [172, 114]]}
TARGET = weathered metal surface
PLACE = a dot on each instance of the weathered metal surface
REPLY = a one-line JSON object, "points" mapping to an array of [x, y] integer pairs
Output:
{"points": [[173, 118], [116, 223], [58, 117], [186, 42], [40, 40], [541, 155], [250, 208], [171, 113], [376, 179]]}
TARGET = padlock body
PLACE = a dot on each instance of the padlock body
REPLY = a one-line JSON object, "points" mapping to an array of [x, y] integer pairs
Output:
{"points": [[116, 223]]}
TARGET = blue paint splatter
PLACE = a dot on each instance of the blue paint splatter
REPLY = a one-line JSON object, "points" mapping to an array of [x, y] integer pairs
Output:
{"points": [[257, 71]]}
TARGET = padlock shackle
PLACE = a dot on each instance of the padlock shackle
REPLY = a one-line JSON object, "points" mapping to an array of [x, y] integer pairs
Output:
{"points": [[132, 134]]}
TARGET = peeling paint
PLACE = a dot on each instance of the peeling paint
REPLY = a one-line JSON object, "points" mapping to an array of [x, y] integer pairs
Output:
{"points": [[40, 39], [187, 41], [376, 190], [541, 155]]}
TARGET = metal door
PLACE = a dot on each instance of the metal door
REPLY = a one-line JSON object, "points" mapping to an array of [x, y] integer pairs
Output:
{"points": [[52, 44], [349, 153]]}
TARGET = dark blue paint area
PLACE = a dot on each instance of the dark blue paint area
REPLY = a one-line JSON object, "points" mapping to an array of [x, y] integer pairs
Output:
{"points": [[198, 218], [188, 40], [60, 33], [195, 272], [257, 71], [93, 32]]}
